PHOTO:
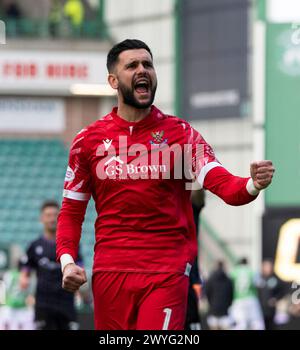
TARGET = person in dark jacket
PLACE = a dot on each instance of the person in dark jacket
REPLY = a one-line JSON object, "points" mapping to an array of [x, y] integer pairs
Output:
{"points": [[192, 321], [219, 293], [54, 307], [270, 290]]}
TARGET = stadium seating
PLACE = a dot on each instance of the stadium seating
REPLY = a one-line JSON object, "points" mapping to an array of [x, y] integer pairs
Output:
{"points": [[40, 28], [32, 171]]}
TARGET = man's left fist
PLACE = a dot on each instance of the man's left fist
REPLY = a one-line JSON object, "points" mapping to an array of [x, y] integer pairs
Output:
{"points": [[262, 173]]}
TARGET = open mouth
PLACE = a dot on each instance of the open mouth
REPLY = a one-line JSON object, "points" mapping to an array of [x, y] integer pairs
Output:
{"points": [[142, 86]]}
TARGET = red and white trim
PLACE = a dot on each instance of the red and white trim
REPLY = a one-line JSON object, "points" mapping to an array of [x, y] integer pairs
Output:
{"points": [[76, 195], [251, 188], [204, 171], [65, 260]]}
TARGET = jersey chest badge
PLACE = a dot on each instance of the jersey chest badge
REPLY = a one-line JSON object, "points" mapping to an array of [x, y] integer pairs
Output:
{"points": [[158, 138]]}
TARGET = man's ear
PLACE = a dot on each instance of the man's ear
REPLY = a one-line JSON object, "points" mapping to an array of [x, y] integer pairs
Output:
{"points": [[113, 81]]}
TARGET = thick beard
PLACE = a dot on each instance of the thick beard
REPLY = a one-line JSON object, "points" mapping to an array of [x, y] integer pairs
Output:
{"points": [[129, 99], [52, 228]]}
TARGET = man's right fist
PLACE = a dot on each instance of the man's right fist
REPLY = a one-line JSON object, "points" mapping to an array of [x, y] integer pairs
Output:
{"points": [[73, 277]]}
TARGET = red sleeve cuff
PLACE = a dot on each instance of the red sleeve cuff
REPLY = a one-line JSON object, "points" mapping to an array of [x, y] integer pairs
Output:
{"points": [[232, 189]]}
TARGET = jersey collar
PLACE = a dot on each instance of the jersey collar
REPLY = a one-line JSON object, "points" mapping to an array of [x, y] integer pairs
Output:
{"points": [[154, 114]]}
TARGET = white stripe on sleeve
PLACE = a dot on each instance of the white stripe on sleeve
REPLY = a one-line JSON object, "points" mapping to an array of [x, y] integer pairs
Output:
{"points": [[76, 195], [204, 171]]}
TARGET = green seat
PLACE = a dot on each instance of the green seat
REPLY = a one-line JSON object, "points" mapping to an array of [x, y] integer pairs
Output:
{"points": [[33, 171]]}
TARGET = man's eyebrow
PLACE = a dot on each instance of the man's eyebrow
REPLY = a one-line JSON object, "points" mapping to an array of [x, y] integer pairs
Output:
{"points": [[136, 61], [131, 62]]}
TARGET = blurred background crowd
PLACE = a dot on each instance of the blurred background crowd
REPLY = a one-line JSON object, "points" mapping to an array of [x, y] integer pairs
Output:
{"points": [[52, 18], [229, 67]]}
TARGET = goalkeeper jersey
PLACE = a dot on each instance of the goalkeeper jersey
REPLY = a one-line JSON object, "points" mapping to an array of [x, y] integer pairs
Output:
{"points": [[139, 175]]}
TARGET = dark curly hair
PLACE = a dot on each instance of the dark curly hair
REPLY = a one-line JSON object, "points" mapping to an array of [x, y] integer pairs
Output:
{"points": [[128, 44]]}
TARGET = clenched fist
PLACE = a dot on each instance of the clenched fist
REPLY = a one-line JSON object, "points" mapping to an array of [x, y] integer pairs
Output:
{"points": [[73, 277], [262, 173]]}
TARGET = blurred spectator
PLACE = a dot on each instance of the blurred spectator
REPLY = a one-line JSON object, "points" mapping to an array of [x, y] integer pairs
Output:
{"points": [[12, 14], [288, 308], [198, 203], [192, 317], [54, 307], [219, 293], [11, 10], [17, 314], [74, 12], [270, 290], [245, 310], [55, 18]]}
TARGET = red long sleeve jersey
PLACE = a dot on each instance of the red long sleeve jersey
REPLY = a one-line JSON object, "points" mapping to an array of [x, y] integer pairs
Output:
{"points": [[139, 176]]}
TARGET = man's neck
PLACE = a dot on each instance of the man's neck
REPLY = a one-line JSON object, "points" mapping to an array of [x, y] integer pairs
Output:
{"points": [[132, 114], [49, 235]]}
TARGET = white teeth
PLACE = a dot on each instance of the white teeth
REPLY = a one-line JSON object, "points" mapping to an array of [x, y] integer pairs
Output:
{"points": [[142, 82]]}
